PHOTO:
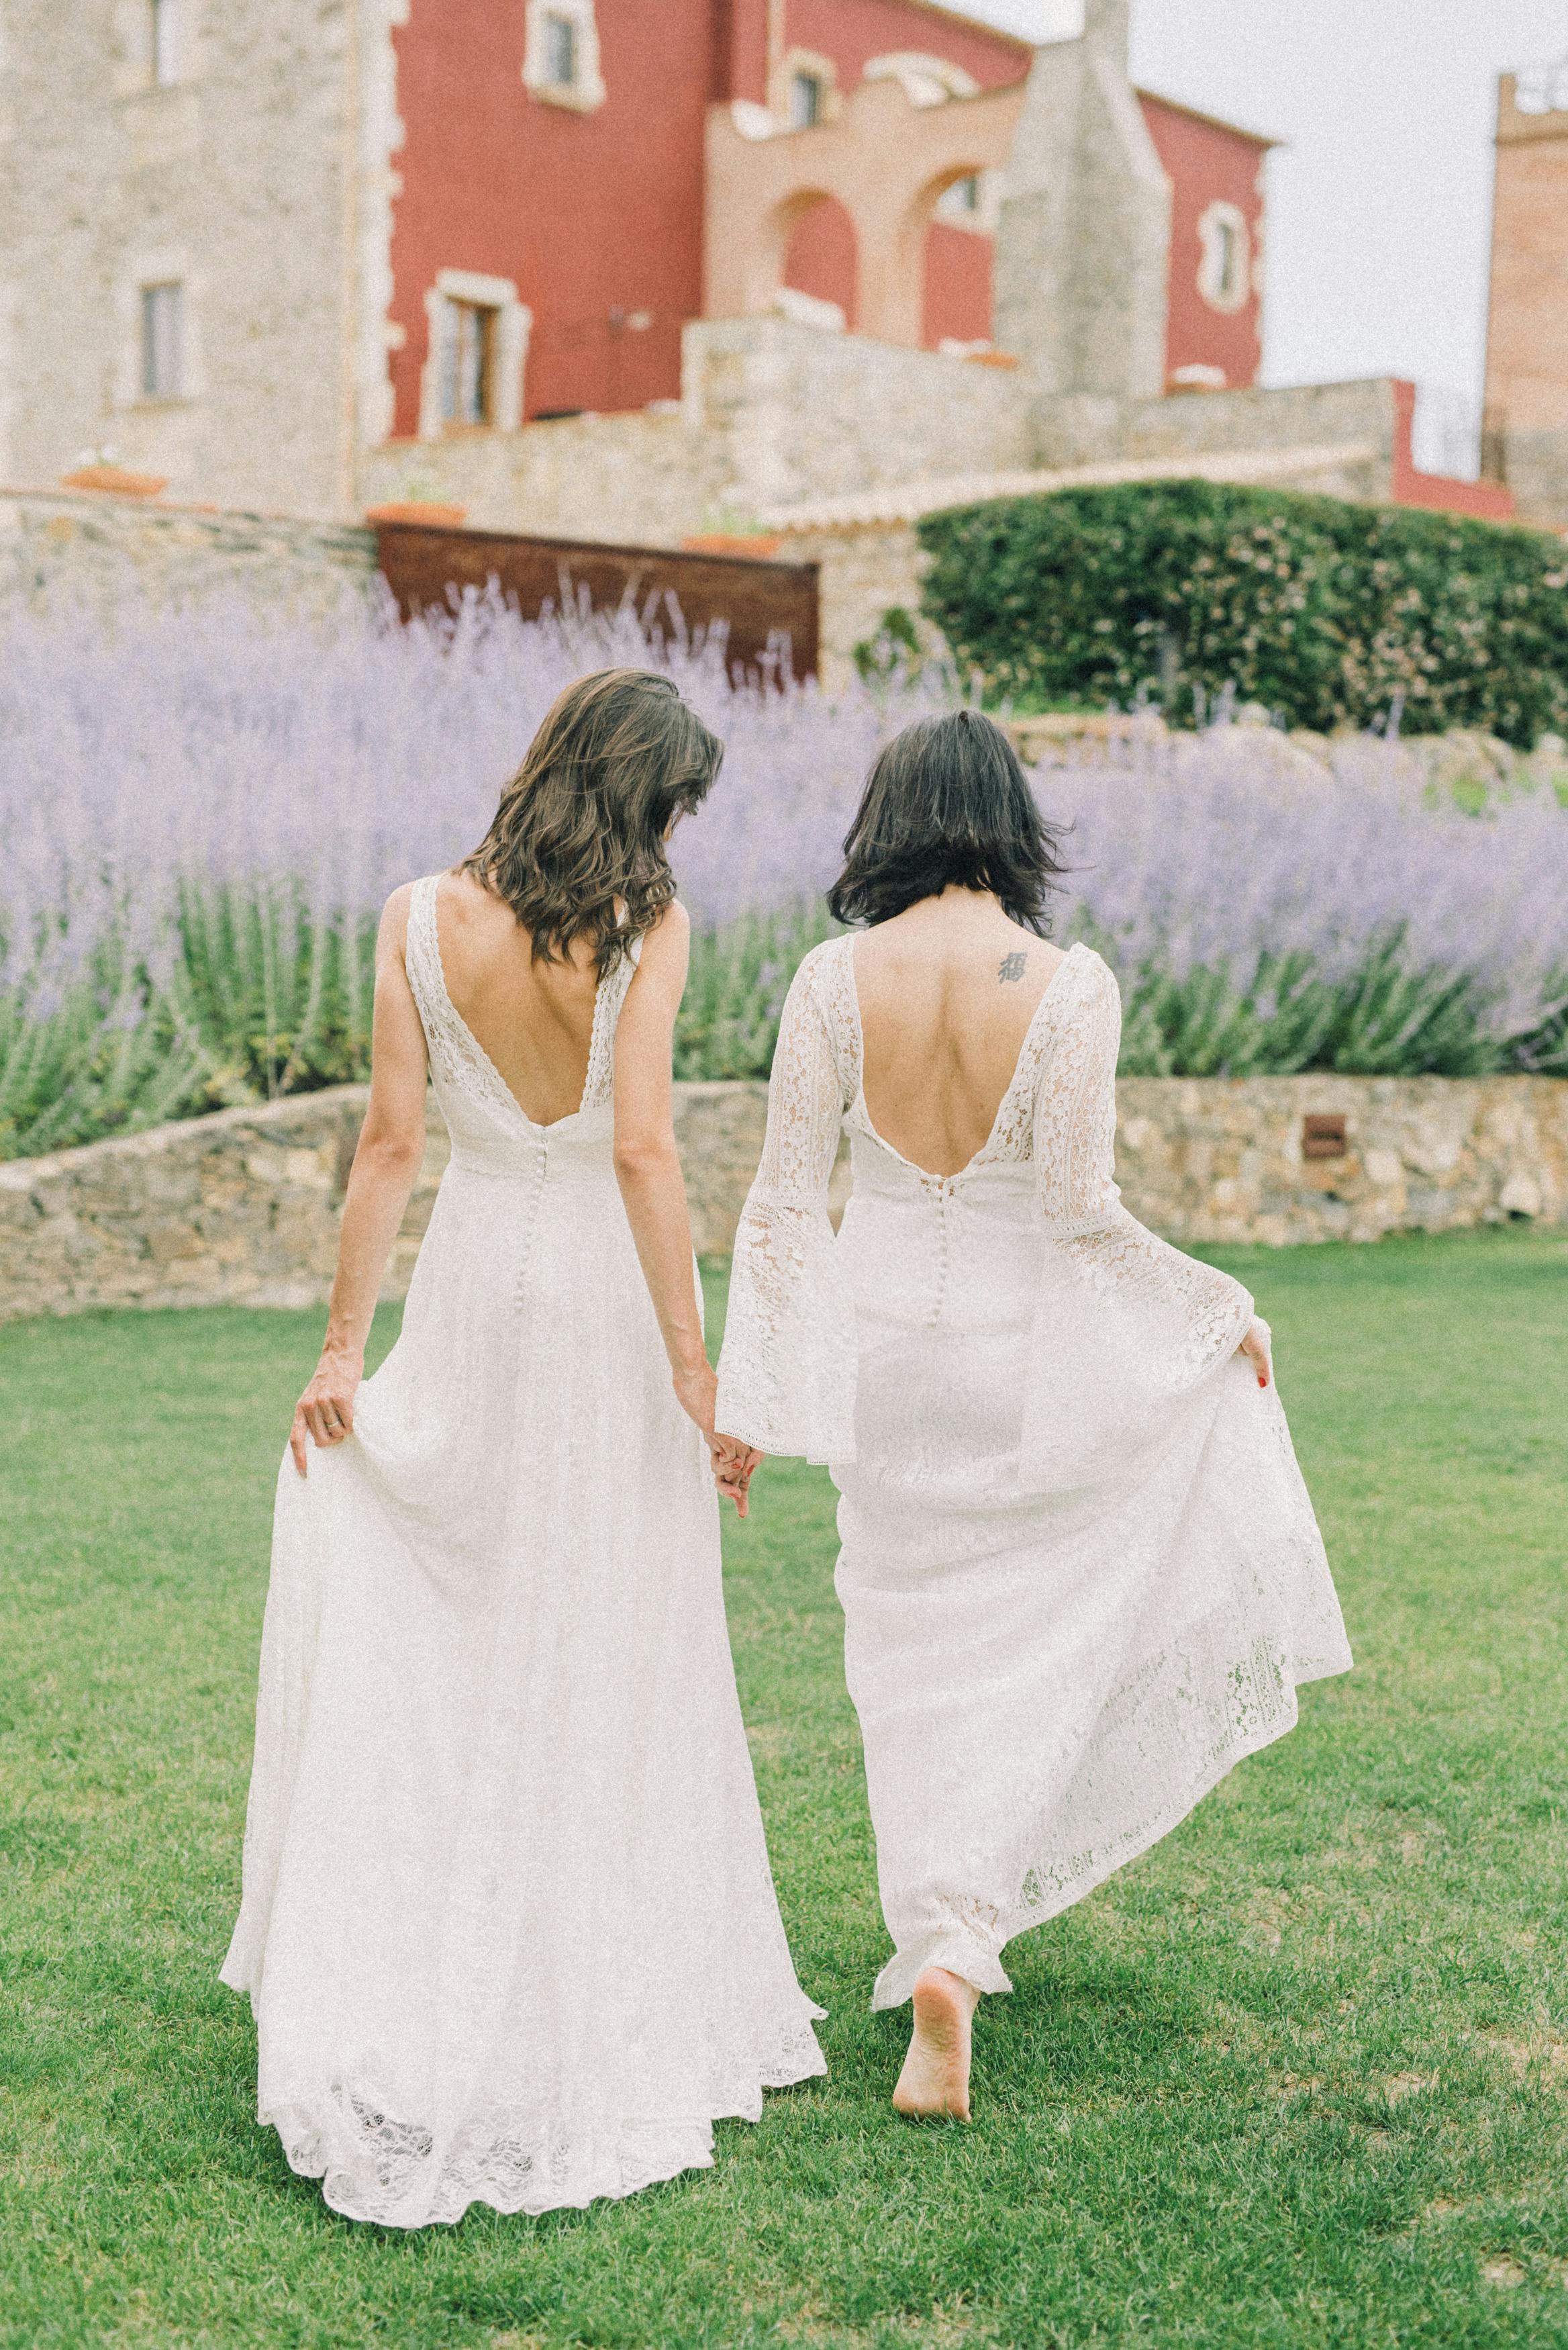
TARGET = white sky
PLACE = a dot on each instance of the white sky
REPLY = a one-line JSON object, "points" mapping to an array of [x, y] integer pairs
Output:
{"points": [[1379, 210]]}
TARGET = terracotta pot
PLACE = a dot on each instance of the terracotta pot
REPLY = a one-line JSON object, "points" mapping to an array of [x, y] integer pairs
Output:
{"points": [[426, 510], [115, 482], [759, 545]]}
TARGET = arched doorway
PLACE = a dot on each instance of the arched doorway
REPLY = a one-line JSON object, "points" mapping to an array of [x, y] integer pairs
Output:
{"points": [[956, 271], [821, 256]]}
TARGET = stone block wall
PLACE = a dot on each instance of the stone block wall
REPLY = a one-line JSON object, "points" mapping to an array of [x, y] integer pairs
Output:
{"points": [[1341, 436], [1217, 1159], [770, 412], [650, 478], [90, 547], [864, 571], [232, 178], [242, 1207]]}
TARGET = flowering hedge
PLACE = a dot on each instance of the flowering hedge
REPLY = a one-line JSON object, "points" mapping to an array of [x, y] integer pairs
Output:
{"points": [[202, 814], [1324, 612]]}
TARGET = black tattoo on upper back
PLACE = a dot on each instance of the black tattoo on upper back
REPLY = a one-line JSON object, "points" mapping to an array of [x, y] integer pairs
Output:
{"points": [[1011, 966]]}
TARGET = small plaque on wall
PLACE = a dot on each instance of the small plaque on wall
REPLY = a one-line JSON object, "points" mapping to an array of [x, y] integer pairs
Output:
{"points": [[1323, 1134]]}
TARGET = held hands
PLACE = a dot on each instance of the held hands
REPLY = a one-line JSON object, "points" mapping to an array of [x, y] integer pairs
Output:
{"points": [[1255, 1346], [697, 1391], [733, 1464], [325, 1410]]}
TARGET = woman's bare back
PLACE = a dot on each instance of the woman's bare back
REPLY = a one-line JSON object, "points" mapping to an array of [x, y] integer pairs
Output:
{"points": [[947, 992], [534, 1019]]}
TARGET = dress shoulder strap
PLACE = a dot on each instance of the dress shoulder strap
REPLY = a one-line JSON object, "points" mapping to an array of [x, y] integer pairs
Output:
{"points": [[610, 996], [421, 956]]}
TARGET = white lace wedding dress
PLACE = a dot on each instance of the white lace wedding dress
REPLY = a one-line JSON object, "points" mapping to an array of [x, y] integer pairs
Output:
{"points": [[1080, 1574], [508, 1927]]}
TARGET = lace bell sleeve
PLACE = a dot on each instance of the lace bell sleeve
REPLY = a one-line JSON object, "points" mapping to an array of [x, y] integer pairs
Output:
{"points": [[786, 1373], [1135, 1326]]}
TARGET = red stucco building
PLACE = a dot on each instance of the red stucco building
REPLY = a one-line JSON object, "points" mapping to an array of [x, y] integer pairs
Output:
{"points": [[558, 208]]}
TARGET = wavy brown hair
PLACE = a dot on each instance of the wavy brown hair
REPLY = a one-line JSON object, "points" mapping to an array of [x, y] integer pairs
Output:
{"points": [[580, 830]]}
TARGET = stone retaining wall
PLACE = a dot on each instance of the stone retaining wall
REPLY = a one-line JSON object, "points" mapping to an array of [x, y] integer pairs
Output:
{"points": [[242, 1207], [95, 549]]}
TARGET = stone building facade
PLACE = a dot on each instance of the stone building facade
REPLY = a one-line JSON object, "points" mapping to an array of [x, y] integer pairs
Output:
{"points": [[181, 220], [1527, 327], [306, 258], [268, 252]]}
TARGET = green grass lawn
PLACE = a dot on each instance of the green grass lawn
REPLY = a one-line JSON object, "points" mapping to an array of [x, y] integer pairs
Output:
{"points": [[1298, 2076]]}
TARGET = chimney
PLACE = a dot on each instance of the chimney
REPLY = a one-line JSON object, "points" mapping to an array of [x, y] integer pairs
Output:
{"points": [[1084, 246]]}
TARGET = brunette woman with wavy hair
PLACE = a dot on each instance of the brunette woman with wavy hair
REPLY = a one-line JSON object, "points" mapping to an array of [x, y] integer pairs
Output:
{"points": [[1080, 1573], [508, 1927]]}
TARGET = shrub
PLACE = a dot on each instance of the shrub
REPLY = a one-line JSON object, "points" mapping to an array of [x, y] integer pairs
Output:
{"points": [[1326, 613]]}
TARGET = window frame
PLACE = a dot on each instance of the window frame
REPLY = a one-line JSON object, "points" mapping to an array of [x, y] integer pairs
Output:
{"points": [[801, 65], [163, 43], [161, 368], [806, 100], [586, 91], [562, 45], [463, 319], [1225, 241], [978, 218], [504, 362]]}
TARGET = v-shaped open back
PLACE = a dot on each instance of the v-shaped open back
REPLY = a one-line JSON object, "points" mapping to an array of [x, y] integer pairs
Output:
{"points": [[1021, 1081], [467, 1081]]}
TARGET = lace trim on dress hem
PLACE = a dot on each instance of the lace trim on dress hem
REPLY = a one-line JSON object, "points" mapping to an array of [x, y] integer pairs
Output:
{"points": [[896, 1982], [369, 2163]]}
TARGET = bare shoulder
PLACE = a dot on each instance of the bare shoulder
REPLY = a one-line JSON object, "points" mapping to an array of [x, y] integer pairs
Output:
{"points": [[668, 939], [1026, 962], [662, 952], [467, 907], [393, 931]]}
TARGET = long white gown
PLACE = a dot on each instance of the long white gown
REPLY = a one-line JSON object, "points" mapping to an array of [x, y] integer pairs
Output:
{"points": [[508, 1929], [1080, 1573]]}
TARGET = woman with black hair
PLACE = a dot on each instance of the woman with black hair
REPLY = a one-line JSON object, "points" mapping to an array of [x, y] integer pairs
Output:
{"points": [[1080, 1573]]}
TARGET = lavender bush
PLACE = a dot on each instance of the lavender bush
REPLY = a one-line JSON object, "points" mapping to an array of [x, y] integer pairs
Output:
{"points": [[202, 812]]}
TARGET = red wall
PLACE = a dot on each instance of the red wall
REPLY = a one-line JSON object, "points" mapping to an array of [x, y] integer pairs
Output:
{"points": [[588, 214], [596, 218], [743, 41], [1206, 162], [1487, 500], [822, 257], [957, 292]]}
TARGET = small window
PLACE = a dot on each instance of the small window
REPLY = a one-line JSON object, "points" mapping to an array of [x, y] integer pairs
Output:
{"points": [[163, 335], [805, 101], [561, 63], [162, 43], [969, 202], [467, 364], [561, 51], [1227, 261], [1224, 268]]}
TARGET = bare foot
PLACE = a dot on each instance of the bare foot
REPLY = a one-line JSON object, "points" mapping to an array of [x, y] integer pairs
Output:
{"points": [[935, 2078]]}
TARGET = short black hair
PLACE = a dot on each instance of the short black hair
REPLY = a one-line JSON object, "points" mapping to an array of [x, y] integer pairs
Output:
{"points": [[948, 802]]}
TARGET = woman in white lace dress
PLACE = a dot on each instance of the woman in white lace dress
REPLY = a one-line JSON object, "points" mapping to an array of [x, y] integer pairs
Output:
{"points": [[1080, 1573], [508, 1927]]}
